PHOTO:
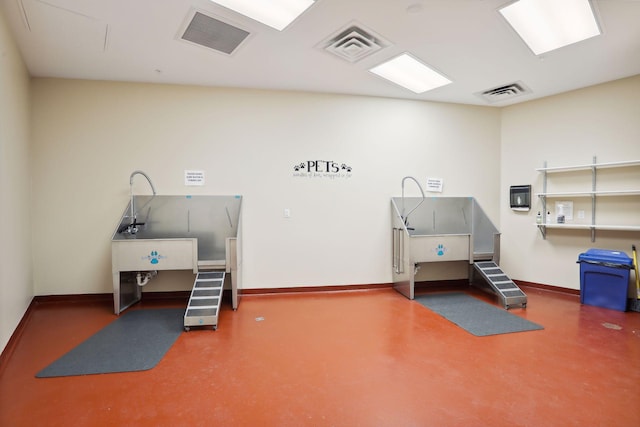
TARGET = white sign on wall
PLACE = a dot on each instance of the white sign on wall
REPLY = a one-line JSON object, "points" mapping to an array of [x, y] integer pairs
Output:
{"points": [[193, 178], [435, 185]]}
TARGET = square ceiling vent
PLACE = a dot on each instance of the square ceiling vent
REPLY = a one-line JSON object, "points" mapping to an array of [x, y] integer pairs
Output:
{"points": [[212, 33], [353, 43], [505, 92]]}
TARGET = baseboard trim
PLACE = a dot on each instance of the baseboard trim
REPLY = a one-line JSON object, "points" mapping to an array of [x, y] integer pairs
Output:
{"points": [[102, 298], [456, 284], [184, 295], [306, 289], [71, 298], [164, 296], [437, 285], [8, 350], [550, 288]]}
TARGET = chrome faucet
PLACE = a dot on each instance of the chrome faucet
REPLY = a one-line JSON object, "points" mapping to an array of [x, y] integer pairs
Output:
{"points": [[405, 218], [133, 227]]}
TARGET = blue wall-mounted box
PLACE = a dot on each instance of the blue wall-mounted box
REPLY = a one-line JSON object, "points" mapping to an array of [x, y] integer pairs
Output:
{"points": [[604, 278]]}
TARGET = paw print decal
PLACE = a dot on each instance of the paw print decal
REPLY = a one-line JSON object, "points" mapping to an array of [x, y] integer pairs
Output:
{"points": [[298, 167], [154, 257], [440, 250], [346, 168]]}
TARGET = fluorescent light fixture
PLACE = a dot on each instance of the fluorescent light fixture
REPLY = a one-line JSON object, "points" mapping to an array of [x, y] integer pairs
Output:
{"points": [[546, 25], [408, 72], [274, 13]]}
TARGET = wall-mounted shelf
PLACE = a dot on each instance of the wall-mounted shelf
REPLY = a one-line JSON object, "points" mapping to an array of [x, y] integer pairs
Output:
{"points": [[593, 194], [589, 166], [595, 227]]}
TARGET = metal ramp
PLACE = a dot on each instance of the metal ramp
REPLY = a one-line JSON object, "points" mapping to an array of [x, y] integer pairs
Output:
{"points": [[509, 293], [205, 299]]}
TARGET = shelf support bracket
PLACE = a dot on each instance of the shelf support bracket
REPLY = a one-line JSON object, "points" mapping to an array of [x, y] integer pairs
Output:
{"points": [[543, 231]]}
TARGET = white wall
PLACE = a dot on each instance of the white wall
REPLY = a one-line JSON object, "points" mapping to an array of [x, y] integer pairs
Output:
{"points": [[569, 129], [16, 288], [89, 136]]}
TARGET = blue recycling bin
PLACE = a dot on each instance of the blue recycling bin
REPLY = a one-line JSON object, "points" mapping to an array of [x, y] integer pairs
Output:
{"points": [[604, 278]]}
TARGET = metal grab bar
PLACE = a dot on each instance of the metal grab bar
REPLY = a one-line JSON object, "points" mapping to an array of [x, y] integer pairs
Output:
{"points": [[395, 249], [398, 250]]}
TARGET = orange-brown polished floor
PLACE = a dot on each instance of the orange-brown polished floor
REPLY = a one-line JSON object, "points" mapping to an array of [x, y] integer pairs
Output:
{"points": [[356, 358]]}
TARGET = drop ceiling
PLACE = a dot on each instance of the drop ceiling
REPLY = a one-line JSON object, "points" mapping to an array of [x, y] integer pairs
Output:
{"points": [[466, 40]]}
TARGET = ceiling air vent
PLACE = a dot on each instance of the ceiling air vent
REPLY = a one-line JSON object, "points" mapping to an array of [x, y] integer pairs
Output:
{"points": [[353, 43], [505, 92], [212, 33]]}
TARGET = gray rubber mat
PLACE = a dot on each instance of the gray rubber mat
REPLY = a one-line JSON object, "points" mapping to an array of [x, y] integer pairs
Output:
{"points": [[136, 341], [475, 316]]}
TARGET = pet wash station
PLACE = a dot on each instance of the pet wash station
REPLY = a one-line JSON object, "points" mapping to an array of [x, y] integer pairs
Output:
{"points": [[442, 229], [197, 233]]}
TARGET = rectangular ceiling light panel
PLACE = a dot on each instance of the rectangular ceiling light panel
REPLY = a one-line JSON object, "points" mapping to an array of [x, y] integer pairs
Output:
{"points": [[408, 72], [275, 13], [546, 25]]}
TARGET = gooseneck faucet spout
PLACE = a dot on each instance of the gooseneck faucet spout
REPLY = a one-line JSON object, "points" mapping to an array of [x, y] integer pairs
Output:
{"points": [[405, 218], [133, 227]]}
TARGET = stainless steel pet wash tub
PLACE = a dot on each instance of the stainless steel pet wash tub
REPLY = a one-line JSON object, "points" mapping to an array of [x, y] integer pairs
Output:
{"points": [[441, 229], [198, 233]]}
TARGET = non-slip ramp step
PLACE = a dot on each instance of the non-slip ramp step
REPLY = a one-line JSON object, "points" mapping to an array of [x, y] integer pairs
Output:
{"points": [[204, 303], [509, 293]]}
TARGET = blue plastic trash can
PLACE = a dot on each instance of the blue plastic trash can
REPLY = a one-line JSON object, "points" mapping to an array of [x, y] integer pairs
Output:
{"points": [[604, 278]]}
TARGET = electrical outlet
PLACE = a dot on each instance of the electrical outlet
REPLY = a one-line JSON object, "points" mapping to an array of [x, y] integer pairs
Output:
{"points": [[287, 213], [580, 214]]}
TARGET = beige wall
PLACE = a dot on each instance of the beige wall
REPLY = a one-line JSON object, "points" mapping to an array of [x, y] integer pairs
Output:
{"points": [[16, 288], [569, 129], [89, 136]]}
